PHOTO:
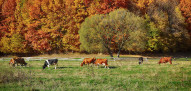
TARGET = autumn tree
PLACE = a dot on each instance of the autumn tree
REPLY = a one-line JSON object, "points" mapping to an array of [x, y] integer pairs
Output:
{"points": [[1, 18], [74, 15], [8, 25], [7, 18], [15, 44], [153, 43], [52, 26], [104, 6], [44, 25], [166, 14], [142, 5], [112, 31], [185, 7]]}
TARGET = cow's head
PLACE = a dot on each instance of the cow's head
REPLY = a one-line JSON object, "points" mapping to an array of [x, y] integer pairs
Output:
{"points": [[45, 65], [82, 64], [12, 61], [93, 60], [25, 64]]}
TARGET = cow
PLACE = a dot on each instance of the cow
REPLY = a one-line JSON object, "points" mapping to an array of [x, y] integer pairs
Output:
{"points": [[140, 60], [165, 60], [17, 60], [88, 61], [101, 61], [50, 62]]}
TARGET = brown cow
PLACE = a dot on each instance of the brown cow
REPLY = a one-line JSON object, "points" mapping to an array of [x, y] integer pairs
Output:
{"points": [[88, 61], [17, 60], [101, 61], [165, 60]]}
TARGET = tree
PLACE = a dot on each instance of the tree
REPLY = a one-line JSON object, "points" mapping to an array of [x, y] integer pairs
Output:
{"points": [[44, 25], [15, 44], [104, 6], [143, 5], [75, 13], [166, 14], [111, 32], [153, 44], [185, 7], [129, 29], [7, 24]]}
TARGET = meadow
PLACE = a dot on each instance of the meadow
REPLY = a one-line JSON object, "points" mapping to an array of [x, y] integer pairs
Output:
{"points": [[123, 75]]}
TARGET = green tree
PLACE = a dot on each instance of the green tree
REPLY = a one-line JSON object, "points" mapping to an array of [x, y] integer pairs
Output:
{"points": [[112, 31]]}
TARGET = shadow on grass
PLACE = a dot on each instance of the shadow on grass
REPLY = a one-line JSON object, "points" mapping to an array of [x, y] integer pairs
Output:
{"points": [[64, 67], [110, 67]]}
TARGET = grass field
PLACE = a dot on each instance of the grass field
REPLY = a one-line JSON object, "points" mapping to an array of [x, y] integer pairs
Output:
{"points": [[123, 75]]}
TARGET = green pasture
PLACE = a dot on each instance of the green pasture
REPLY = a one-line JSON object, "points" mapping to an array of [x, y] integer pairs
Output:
{"points": [[123, 75]]}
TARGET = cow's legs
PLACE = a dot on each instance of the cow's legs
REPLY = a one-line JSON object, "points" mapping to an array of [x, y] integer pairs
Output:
{"points": [[56, 65], [170, 62], [98, 65], [104, 65], [107, 66]]}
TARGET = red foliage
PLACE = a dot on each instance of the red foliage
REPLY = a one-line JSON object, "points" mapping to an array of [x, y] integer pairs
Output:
{"points": [[107, 6], [8, 8], [38, 40], [185, 6]]}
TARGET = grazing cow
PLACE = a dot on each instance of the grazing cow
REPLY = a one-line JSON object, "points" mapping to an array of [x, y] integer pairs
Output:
{"points": [[165, 60], [88, 61], [101, 61], [12, 62], [50, 62], [17, 60], [140, 60]]}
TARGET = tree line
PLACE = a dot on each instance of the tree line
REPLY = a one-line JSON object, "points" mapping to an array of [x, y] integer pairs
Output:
{"points": [[107, 26]]}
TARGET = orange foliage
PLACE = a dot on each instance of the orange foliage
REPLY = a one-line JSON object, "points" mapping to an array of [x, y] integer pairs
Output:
{"points": [[39, 40], [8, 7], [54, 24], [185, 6]]}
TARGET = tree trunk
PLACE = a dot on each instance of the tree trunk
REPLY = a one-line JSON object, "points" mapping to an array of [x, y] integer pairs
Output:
{"points": [[118, 52], [110, 52]]}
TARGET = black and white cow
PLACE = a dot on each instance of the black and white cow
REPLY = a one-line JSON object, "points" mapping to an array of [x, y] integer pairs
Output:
{"points": [[140, 60], [50, 62]]}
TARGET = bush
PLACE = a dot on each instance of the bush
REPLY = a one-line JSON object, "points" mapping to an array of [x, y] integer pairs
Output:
{"points": [[8, 75]]}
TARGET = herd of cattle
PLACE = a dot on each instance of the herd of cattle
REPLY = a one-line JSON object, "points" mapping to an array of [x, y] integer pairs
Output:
{"points": [[18, 60]]}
